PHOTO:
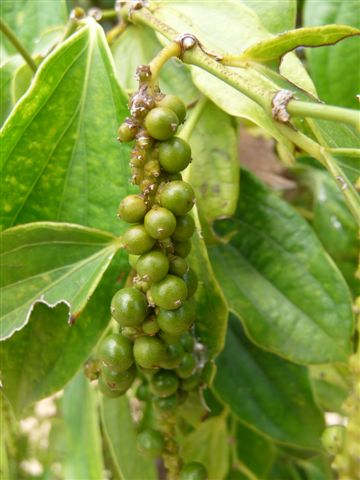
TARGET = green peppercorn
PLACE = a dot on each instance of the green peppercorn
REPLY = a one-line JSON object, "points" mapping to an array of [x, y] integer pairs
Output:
{"points": [[129, 307]]}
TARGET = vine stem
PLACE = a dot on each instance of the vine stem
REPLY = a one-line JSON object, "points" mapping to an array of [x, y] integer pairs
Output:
{"points": [[320, 110], [4, 27], [172, 49], [243, 80]]}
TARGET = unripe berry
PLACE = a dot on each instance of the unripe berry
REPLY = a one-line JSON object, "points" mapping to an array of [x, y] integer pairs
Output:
{"points": [[174, 355], [161, 123], [118, 380], [160, 223], [175, 104], [132, 209], [150, 326], [129, 307], [193, 471], [150, 443], [333, 438], [116, 352], [137, 241], [170, 293], [177, 322], [174, 155], [178, 266], [107, 391], [182, 249], [127, 131], [185, 228], [149, 352], [164, 383], [178, 197], [187, 366], [153, 266], [166, 404]]}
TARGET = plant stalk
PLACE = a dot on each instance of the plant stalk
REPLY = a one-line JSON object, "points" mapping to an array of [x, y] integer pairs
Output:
{"points": [[4, 27], [243, 81], [319, 110]]}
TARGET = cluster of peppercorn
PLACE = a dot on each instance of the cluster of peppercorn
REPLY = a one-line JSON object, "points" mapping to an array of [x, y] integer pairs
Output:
{"points": [[156, 312]]}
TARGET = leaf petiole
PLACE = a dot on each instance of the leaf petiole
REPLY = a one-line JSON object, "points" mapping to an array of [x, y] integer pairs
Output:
{"points": [[6, 30]]}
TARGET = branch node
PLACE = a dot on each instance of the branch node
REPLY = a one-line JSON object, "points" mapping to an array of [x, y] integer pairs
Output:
{"points": [[135, 5], [188, 41], [279, 104], [343, 184]]}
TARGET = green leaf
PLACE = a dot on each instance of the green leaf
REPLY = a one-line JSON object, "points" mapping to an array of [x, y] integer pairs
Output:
{"points": [[275, 16], [45, 354], [214, 171], [278, 279], [267, 393], [331, 386], [7, 71], [211, 308], [59, 143], [29, 19], [276, 47], [335, 70], [333, 223], [121, 439], [137, 46], [248, 446], [209, 445], [50, 263], [83, 459]]}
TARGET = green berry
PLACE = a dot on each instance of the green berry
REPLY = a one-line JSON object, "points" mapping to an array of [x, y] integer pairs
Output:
{"points": [[166, 404], [175, 104], [137, 241], [164, 383], [132, 209], [160, 223], [92, 368], [170, 293], [174, 355], [153, 266], [190, 382], [107, 391], [174, 155], [150, 443], [161, 123], [333, 438], [182, 249], [187, 366], [150, 326], [188, 342], [149, 351], [169, 339], [185, 228], [127, 131], [118, 380], [178, 197], [178, 266], [143, 392], [190, 278], [193, 471], [177, 322], [115, 351], [129, 307]]}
